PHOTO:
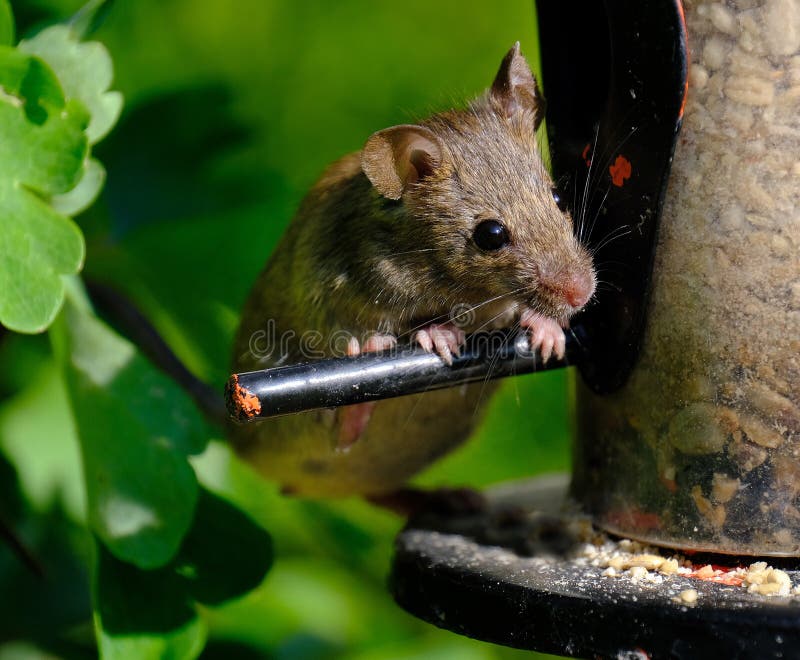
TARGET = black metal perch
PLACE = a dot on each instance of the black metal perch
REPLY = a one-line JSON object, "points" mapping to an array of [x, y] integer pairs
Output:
{"points": [[373, 376]]}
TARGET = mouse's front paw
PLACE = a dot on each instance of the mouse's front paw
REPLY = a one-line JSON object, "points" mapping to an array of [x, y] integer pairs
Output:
{"points": [[445, 339], [546, 334]]}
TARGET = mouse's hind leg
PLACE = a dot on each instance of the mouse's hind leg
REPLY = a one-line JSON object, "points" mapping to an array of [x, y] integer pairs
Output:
{"points": [[353, 419]]}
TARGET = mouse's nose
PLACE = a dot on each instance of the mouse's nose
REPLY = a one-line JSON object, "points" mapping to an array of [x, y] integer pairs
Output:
{"points": [[572, 285], [577, 288]]}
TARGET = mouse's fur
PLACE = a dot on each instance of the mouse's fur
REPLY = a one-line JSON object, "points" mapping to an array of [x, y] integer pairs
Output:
{"points": [[383, 243]]}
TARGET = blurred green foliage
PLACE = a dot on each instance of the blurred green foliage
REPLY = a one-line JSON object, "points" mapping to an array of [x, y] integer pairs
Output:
{"points": [[232, 110], [44, 146]]}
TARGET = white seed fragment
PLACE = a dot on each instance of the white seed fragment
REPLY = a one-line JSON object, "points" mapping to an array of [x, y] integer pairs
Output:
{"points": [[637, 572], [722, 18], [750, 90], [782, 23], [760, 433], [723, 488], [767, 581], [668, 567], [646, 561], [714, 53], [698, 76], [617, 563]]}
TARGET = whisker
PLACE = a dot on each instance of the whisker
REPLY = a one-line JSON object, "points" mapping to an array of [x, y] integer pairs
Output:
{"points": [[615, 232], [397, 254], [597, 214], [610, 239], [492, 364], [593, 177], [611, 287], [574, 336], [491, 320], [471, 308], [586, 183]]}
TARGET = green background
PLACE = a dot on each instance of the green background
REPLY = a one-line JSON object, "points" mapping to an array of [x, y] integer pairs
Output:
{"points": [[232, 109]]}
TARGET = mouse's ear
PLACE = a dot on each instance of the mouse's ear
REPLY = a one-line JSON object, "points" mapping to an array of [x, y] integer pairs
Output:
{"points": [[515, 89], [398, 156]]}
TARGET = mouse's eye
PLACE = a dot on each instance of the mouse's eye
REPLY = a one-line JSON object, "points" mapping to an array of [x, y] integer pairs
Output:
{"points": [[560, 203], [490, 235]]}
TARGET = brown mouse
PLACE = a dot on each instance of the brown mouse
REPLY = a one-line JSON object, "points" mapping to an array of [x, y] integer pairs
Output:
{"points": [[433, 230]]}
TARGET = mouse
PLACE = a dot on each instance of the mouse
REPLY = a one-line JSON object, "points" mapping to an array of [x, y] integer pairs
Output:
{"points": [[433, 230]]}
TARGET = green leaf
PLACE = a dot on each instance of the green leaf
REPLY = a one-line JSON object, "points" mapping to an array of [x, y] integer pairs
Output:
{"points": [[42, 149], [89, 17], [152, 614], [85, 72], [83, 195], [185, 642], [44, 153], [44, 448], [225, 554], [6, 24], [133, 600], [136, 429], [143, 614]]}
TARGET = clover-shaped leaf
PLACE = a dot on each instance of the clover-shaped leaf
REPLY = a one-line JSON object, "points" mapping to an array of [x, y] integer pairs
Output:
{"points": [[42, 150], [84, 70], [82, 195]]}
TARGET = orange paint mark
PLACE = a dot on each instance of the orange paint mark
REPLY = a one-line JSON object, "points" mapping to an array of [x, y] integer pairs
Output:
{"points": [[727, 575], [620, 171], [247, 403], [585, 155]]}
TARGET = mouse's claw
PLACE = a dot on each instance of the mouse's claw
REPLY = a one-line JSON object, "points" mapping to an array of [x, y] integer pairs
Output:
{"points": [[546, 335], [444, 339]]}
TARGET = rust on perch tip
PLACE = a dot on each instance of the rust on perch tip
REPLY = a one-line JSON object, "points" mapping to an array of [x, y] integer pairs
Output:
{"points": [[242, 403]]}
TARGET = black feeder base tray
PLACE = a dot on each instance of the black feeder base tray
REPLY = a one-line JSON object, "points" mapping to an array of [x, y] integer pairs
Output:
{"points": [[507, 576]]}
